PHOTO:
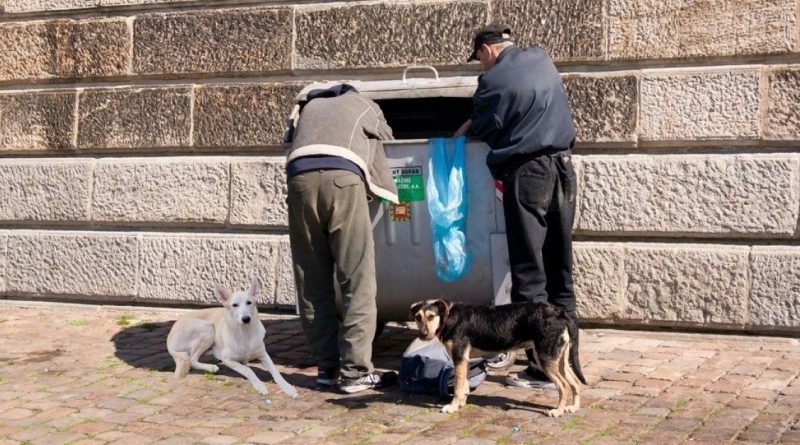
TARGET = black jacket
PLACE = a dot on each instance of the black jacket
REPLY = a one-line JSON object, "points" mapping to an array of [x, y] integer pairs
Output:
{"points": [[521, 108]]}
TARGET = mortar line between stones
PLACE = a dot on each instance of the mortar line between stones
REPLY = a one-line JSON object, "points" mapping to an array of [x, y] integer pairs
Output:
{"points": [[192, 94], [129, 21]]}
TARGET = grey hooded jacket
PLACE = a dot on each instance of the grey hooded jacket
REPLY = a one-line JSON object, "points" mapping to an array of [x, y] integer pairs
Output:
{"points": [[352, 127]]}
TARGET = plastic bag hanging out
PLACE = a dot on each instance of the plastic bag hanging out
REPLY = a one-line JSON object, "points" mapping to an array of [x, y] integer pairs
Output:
{"points": [[447, 204]]}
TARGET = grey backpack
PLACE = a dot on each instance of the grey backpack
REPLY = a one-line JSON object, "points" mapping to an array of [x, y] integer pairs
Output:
{"points": [[427, 369]]}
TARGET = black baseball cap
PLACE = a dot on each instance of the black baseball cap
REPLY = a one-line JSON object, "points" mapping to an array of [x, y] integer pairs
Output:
{"points": [[488, 35]]}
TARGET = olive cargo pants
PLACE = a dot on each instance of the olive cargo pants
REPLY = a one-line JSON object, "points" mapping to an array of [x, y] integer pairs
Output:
{"points": [[331, 237]]}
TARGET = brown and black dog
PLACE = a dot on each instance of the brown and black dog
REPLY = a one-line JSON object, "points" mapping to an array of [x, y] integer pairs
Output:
{"points": [[540, 326]]}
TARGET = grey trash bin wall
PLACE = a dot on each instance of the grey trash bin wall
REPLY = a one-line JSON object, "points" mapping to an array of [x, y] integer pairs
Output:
{"points": [[417, 109]]}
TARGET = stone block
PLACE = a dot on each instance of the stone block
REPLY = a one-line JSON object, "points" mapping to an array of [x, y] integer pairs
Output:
{"points": [[242, 115], [599, 279], [665, 29], [605, 109], [38, 191], [171, 190], [702, 284], [3, 260], [215, 41], [87, 48], [700, 106], [569, 30], [183, 268], [79, 264], [676, 195], [135, 2], [391, 34], [37, 121], [134, 118], [17, 6], [285, 290], [258, 192], [783, 115], [775, 292]]}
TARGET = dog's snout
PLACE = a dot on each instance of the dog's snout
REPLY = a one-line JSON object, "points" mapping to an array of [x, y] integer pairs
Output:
{"points": [[246, 319]]}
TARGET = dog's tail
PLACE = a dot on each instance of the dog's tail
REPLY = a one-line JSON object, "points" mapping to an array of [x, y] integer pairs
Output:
{"points": [[574, 360], [182, 363]]}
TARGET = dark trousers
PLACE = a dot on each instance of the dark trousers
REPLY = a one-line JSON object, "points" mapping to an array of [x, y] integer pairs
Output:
{"points": [[539, 208]]}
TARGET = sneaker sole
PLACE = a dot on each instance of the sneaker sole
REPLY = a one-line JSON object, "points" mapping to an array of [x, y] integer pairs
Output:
{"points": [[523, 384], [355, 389]]}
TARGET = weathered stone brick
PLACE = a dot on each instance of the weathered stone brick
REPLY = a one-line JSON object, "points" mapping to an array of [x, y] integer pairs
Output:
{"points": [[45, 190], [161, 190], [16, 6], [285, 291], [242, 115], [775, 293], [783, 115], [3, 260], [700, 106], [183, 268], [645, 29], [95, 265], [36, 121], [64, 49], [704, 284], [568, 30], [216, 41], [392, 34], [605, 109], [599, 277], [134, 118], [731, 195], [258, 192]]}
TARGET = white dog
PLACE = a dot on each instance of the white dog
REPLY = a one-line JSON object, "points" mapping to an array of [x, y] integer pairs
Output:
{"points": [[234, 331]]}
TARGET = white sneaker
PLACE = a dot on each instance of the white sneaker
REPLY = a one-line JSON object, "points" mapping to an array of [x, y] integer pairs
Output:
{"points": [[524, 379], [375, 380]]}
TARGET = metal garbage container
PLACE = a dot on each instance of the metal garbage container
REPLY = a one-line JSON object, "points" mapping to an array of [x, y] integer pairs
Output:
{"points": [[418, 109]]}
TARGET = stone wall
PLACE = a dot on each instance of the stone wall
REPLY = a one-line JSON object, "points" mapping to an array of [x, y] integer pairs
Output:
{"points": [[140, 143]]}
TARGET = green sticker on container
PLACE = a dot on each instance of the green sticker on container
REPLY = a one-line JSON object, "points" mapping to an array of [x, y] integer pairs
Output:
{"points": [[410, 186]]}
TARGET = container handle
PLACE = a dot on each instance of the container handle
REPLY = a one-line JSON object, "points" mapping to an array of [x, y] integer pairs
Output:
{"points": [[424, 67]]}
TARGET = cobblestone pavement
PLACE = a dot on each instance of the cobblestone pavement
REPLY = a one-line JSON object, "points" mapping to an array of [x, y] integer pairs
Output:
{"points": [[84, 374]]}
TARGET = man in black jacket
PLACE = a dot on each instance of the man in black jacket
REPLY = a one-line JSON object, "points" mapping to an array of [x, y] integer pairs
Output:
{"points": [[521, 111]]}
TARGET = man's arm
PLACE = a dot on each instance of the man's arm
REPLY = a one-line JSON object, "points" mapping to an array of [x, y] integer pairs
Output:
{"points": [[463, 129], [486, 120]]}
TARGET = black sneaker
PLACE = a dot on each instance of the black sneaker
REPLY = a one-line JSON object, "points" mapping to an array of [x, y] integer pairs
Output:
{"points": [[530, 377], [327, 377], [376, 380]]}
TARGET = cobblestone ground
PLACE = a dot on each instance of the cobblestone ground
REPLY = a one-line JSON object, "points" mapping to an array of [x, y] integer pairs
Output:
{"points": [[84, 374]]}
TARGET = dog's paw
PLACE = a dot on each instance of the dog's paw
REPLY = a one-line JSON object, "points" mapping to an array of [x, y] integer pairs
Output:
{"points": [[213, 369], [291, 392], [555, 412], [571, 408], [261, 389], [450, 408]]}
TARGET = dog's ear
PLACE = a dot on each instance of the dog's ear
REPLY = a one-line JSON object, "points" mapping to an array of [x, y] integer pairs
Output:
{"points": [[414, 309], [222, 294], [443, 306], [254, 287]]}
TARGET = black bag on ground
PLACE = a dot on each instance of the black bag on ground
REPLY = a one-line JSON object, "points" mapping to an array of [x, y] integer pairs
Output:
{"points": [[427, 369]]}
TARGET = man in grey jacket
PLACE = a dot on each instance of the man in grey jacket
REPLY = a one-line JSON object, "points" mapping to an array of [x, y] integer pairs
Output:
{"points": [[336, 159]]}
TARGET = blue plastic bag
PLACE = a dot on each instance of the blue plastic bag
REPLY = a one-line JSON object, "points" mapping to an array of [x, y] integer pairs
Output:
{"points": [[446, 189]]}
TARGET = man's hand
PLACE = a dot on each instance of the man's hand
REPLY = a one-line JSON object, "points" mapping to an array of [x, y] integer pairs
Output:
{"points": [[463, 129]]}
